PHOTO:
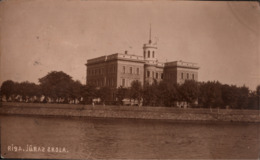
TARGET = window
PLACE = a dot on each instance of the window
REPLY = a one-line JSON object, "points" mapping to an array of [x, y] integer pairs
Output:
{"points": [[123, 82], [193, 76], [123, 69], [153, 54], [148, 73], [156, 75], [144, 53], [131, 70], [153, 74], [187, 75], [162, 76], [137, 71], [148, 54], [181, 75]]}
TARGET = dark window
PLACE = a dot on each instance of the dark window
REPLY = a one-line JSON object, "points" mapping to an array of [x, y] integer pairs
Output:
{"points": [[193, 76], [123, 82], [144, 53], [148, 73], [123, 69], [187, 75], [156, 75], [153, 54], [148, 54], [131, 70], [137, 71], [153, 74], [162, 76], [181, 75]]}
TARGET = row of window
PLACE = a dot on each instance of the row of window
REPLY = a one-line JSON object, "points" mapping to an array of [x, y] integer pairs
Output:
{"points": [[155, 75], [111, 82], [183, 76], [188, 76], [127, 82], [100, 71], [131, 70], [148, 54]]}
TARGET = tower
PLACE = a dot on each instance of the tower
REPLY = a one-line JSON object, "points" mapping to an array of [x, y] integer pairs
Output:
{"points": [[149, 49], [152, 68]]}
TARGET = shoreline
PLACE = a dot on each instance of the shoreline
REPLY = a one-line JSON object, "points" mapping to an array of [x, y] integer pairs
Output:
{"points": [[129, 112]]}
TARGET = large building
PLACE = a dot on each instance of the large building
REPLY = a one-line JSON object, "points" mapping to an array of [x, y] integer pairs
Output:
{"points": [[121, 69]]}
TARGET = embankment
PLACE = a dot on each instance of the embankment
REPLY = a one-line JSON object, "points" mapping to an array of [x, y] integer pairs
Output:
{"points": [[9, 108]]}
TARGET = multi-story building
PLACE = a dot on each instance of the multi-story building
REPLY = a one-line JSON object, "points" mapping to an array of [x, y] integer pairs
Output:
{"points": [[179, 71], [115, 70], [121, 69]]}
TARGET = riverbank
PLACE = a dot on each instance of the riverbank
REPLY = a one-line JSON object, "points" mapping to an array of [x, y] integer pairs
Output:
{"points": [[133, 112]]}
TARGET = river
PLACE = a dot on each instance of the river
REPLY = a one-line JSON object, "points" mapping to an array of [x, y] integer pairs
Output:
{"points": [[92, 138]]}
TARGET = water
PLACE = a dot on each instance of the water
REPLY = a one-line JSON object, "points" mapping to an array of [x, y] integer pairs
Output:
{"points": [[87, 138]]}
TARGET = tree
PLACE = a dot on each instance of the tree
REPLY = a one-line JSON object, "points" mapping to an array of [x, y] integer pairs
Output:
{"points": [[210, 94], [258, 97], [104, 93], [229, 95], [27, 90], [242, 101], [76, 90], [136, 91], [56, 85], [8, 89], [254, 99], [189, 91], [171, 95], [88, 92], [121, 93], [150, 94], [162, 93], [258, 90]]}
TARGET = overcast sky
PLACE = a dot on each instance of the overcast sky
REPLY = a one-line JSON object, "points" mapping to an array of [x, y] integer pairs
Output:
{"points": [[39, 36]]}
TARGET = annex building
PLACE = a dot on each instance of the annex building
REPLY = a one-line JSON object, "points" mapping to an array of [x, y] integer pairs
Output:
{"points": [[121, 69]]}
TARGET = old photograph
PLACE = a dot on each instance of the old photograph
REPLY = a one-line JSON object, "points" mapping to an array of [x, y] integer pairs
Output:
{"points": [[141, 79]]}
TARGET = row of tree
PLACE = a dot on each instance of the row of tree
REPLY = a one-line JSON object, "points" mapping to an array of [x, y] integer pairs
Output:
{"points": [[58, 87]]}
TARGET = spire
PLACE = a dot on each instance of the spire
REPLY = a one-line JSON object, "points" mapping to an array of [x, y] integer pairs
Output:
{"points": [[150, 35]]}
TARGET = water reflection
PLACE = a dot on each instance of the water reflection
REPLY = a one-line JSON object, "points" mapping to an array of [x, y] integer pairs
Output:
{"points": [[128, 138]]}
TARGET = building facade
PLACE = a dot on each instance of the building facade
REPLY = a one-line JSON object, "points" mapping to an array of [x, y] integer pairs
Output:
{"points": [[121, 69]]}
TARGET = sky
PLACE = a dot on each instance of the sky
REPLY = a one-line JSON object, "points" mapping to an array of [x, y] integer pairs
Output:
{"points": [[40, 36]]}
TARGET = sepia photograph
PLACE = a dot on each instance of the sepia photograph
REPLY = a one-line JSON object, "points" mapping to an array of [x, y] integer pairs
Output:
{"points": [[140, 79]]}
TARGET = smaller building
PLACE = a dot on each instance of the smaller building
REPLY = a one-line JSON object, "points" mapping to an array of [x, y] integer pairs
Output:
{"points": [[179, 71]]}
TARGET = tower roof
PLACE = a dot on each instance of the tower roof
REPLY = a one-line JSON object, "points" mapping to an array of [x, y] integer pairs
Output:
{"points": [[150, 44], [150, 34]]}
